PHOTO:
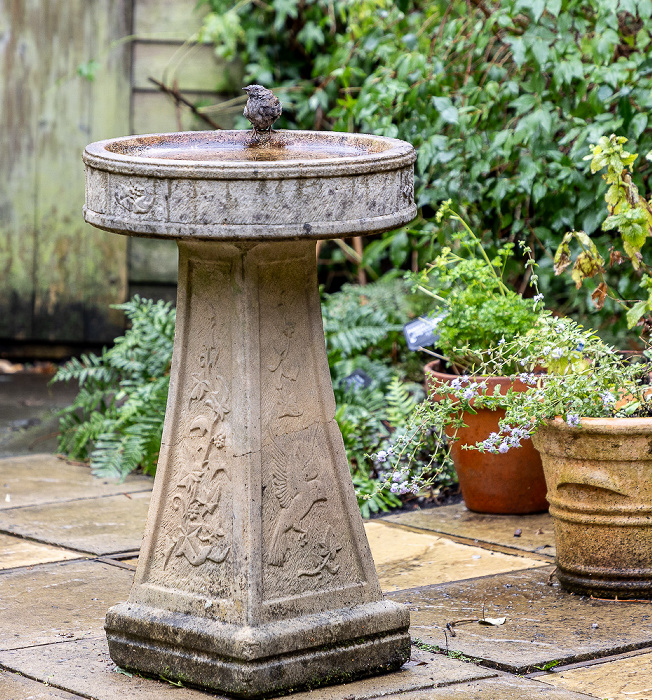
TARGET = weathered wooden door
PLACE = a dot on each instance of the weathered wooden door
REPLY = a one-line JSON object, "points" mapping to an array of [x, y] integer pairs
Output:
{"points": [[58, 275]]}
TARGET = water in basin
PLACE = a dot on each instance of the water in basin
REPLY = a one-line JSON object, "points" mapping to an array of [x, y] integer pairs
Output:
{"points": [[242, 146]]}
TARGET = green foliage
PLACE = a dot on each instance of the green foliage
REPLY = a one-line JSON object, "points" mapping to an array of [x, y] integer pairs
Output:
{"points": [[476, 307], [500, 98], [363, 327], [116, 419], [629, 214]]}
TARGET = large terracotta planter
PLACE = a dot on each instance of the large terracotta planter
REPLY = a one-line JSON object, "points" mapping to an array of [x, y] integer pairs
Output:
{"points": [[600, 491], [510, 483]]}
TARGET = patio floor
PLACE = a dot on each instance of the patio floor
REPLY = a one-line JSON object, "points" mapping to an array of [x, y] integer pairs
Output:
{"points": [[69, 545]]}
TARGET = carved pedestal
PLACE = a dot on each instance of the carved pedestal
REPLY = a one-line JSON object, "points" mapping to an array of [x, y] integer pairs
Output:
{"points": [[255, 574]]}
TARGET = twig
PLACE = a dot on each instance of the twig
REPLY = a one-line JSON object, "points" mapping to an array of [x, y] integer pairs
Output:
{"points": [[179, 98]]}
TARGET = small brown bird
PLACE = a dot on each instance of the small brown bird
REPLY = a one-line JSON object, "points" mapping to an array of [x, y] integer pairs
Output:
{"points": [[263, 108]]}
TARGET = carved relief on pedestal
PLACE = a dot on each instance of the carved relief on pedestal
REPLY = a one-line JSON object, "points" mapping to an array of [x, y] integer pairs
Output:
{"points": [[297, 487], [197, 496], [285, 371]]}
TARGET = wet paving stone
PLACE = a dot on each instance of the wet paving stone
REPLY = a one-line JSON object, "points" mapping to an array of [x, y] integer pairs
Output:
{"points": [[544, 624], [44, 478], [15, 552], [58, 602], [95, 525], [406, 559], [623, 679], [85, 666], [502, 688], [537, 533], [16, 687]]}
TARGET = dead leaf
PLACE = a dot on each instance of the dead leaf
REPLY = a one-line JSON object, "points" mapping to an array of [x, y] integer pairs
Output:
{"points": [[599, 295], [493, 621], [615, 257]]}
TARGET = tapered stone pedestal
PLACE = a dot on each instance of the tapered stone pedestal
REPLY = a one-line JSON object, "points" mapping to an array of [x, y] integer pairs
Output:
{"points": [[255, 574]]}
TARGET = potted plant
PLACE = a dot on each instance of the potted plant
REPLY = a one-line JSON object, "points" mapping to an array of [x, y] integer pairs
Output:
{"points": [[477, 311]]}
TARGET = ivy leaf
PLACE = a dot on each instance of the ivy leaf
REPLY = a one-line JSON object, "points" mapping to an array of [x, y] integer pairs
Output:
{"points": [[447, 111], [554, 7]]}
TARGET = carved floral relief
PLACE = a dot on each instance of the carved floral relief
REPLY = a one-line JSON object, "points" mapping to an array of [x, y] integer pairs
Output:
{"points": [[200, 537]]}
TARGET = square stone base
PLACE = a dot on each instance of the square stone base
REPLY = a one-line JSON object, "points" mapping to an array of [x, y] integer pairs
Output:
{"points": [[304, 652]]}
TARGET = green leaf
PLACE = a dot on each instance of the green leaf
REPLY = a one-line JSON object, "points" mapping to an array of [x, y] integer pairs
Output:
{"points": [[447, 111], [553, 7], [635, 313]]}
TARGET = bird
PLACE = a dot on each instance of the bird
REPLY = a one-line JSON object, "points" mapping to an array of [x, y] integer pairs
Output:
{"points": [[263, 108], [297, 487]]}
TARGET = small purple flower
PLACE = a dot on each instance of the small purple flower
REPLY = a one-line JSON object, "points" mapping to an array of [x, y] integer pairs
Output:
{"points": [[557, 353], [468, 394], [607, 398], [394, 488], [404, 487], [390, 450], [538, 298], [501, 341], [381, 456], [573, 419], [503, 447], [456, 384], [464, 379]]}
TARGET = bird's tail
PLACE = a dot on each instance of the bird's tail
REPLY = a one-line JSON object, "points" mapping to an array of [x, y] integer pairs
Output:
{"points": [[277, 549]]}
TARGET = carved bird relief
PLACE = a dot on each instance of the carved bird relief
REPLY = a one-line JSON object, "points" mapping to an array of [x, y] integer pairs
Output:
{"points": [[134, 198], [297, 487]]}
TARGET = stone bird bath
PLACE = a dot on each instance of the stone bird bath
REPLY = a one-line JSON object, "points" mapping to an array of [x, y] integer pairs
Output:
{"points": [[255, 574]]}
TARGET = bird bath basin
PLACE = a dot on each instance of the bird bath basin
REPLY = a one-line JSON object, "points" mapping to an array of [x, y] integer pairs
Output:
{"points": [[255, 575]]}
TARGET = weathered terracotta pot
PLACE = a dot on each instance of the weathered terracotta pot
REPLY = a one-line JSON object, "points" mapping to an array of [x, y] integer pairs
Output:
{"points": [[510, 483], [600, 491]]}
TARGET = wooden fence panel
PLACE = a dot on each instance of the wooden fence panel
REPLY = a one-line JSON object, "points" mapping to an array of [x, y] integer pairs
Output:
{"points": [[59, 275]]}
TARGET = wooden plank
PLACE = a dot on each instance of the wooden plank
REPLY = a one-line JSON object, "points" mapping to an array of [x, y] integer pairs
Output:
{"points": [[177, 20], [195, 67], [154, 112], [152, 260], [65, 271], [80, 270], [18, 120]]}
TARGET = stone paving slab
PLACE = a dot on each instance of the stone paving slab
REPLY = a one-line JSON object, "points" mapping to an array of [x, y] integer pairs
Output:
{"points": [[16, 687], [84, 666], [543, 622], [503, 688], [459, 521], [55, 602], [15, 552], [44, 478], [624, 679], [96, 525], [406, 559]]}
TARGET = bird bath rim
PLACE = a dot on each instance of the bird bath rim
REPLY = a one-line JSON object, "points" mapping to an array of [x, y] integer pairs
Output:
{"points": [[310, 154]]}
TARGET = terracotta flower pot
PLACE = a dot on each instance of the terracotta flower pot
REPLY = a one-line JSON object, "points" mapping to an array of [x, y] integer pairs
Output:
{"points": [[600, 491], [510, 483]]}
